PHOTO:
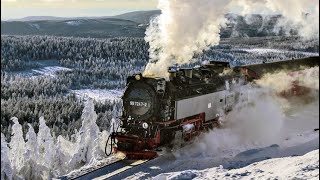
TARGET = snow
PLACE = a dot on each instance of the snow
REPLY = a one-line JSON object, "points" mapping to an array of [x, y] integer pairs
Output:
{"points": [[266, 50], [37, 26], [300, 167], [50, 70], [91, 167], [169, 166], [74, 23], [99, 94]]}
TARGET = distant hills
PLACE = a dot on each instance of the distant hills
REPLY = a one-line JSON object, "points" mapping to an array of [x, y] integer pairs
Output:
{"points": [[39, 18], [132, 24], [136, 16], [142, 17], [98, 28]]}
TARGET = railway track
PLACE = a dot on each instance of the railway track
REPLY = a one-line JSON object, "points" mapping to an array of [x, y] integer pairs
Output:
{"points": [[124, 166], [106, 171]]}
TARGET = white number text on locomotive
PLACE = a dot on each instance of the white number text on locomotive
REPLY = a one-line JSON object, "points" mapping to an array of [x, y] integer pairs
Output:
{"points": [[141, 104]]}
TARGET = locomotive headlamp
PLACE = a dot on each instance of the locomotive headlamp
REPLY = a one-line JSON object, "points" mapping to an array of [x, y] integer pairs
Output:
{"points": [[145, 125], [138, 77]]}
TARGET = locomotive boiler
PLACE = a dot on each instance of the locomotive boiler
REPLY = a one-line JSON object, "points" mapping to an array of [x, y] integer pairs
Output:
{"points": [[189, 102]]}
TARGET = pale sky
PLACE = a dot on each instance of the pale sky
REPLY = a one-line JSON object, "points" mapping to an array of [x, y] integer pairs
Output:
{"points": [[71, 8]]}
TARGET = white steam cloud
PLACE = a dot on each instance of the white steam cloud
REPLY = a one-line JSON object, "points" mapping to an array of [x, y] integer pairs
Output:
{"points": [[184, 28], [258, 124], [187, 27], [302, 16], [283, 81]]}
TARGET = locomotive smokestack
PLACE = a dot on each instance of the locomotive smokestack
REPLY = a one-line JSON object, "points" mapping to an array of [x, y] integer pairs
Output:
{"points": [[188, 72], [172, 73]]}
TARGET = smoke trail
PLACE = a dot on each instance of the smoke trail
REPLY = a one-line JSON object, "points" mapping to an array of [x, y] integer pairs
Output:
{"points": [[187, 27]]}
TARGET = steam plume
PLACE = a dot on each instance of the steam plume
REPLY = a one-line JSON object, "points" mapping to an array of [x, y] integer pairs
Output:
{"points": [[184, 28], [187, 27]]}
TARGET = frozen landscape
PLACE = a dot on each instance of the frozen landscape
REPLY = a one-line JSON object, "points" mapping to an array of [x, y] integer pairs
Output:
{"points": [[63, 78]]}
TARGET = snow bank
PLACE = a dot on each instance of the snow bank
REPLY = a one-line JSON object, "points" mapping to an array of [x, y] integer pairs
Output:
{"points": [[300, 167]]}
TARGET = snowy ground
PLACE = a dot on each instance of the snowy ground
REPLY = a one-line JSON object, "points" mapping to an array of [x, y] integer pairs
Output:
{"points": [[243, 165], [300, 167], [266, 50], [74, 23], [46, 67], [49, 71], [99, 94]]}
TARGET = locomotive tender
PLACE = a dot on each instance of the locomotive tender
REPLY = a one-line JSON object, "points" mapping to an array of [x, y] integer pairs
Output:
{"points": [[189, 102]]}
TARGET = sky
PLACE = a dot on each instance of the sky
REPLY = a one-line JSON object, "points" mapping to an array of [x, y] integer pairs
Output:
{"points": [[11, 9]]}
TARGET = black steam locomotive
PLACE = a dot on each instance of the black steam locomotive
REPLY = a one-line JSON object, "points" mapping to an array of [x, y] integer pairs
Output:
{"points": [[189, 102]]}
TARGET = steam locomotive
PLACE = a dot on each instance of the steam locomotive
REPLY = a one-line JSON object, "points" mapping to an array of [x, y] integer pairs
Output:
{"points": [[189, 102]]}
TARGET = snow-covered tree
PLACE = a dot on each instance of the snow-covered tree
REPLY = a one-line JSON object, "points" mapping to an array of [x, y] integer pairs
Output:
{"points": [[6, 169], [31, 144], [32, 169], [62, 156], [46, 145], [17, 146], [88, 143]]}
